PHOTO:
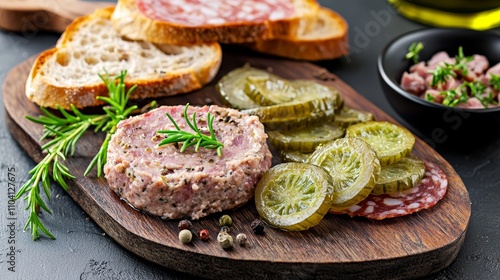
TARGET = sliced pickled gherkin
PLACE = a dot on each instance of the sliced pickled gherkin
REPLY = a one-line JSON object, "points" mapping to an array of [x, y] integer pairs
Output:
{"points": [[400, 176], [391, 142], [354, 168], [293, 196], [267, 90], [294, 115], [231, 87], [292, 110], [293, 156], [308, 89], [306, 139], [349, 116]]}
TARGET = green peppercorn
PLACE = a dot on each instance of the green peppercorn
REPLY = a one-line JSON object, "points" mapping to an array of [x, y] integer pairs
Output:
{"points": [[225, 220], [225, 240], [185, 236], [241, 238]]}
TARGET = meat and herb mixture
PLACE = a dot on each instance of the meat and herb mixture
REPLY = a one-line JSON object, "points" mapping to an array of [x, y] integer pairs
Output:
{"points": [[167, 182], [460, 81]]}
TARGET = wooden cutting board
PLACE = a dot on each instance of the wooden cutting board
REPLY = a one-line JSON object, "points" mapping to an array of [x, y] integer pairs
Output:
{"points": [[339, 247], [51, 15]]}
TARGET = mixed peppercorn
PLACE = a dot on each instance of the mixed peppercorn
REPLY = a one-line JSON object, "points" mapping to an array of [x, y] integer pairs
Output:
{"points": [[224, 237]]}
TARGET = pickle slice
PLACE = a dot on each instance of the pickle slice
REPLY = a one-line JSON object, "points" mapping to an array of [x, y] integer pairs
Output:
{"points": [[399, 176], [306, 139], [354, 168], [293, 196], [231, 87], [391, 142], [293, 156], [294, 114], [349, 116], [308, 89], [266, 90]]}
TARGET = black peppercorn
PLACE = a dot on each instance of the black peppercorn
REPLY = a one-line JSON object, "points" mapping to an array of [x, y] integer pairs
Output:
{"points": [[184, 224], [258, 226], [225, 229]]}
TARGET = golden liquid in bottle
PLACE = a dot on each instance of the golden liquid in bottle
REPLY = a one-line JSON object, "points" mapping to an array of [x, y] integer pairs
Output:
{"points": [[478, 19]]}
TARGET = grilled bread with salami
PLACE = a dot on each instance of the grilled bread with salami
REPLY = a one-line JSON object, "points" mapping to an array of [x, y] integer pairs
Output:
{"points": [[67, 74], [327, 39], [225, 21]]}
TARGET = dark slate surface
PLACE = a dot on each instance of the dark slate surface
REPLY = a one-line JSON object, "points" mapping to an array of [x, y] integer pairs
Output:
{"points": [[83, 251]]}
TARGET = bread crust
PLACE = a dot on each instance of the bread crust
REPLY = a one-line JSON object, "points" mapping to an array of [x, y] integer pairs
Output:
{"points": [[41, 91], [130, 22], [302, 47]]}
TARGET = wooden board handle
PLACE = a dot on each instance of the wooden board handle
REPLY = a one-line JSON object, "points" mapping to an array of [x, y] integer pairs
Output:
{"points": [[48, 15]]}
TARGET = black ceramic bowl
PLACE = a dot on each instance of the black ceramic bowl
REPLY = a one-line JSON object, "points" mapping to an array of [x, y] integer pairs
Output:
{"points": [[436, 121]]}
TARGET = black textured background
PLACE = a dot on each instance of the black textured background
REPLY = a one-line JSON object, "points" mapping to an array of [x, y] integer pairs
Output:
{"points": [[83, 251]]}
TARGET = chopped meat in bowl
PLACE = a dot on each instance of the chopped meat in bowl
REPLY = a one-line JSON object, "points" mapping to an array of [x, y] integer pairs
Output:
{"points": [[460, 81], [458, 102]]}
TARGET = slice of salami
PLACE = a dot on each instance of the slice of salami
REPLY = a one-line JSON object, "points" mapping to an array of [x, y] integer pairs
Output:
{"points": [[215, 12], [424, 195]]}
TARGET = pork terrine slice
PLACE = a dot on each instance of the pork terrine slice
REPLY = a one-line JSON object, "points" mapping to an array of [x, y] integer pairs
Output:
{"points": [[164, 182]]}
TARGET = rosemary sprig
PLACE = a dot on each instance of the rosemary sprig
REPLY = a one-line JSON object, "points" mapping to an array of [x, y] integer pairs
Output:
{"points": [[65, 131], [414, 51], [197, 139], [116, 111]]}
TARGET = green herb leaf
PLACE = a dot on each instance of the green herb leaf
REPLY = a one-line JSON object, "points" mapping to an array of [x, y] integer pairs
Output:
{"points": [[453, 97], [478, 90], [414, 50], [189, 139], [442, 73], [461, 62], [494, 81]]}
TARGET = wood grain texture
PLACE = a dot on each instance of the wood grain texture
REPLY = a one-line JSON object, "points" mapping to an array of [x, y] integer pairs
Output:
{"points": [[49, 15], [340, 247]]}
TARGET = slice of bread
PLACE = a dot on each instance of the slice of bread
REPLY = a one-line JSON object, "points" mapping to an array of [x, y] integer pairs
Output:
{"points": [[68, 73], [224, 21], [324, 38]]}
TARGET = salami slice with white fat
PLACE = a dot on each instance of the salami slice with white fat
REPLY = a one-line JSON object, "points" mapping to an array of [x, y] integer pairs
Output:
{"points": [[424, 195], [215, 12]]}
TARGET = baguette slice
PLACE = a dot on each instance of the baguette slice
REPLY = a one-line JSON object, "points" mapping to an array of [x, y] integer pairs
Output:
{"points": [[68, 73], [189, 22], [327, 40]]}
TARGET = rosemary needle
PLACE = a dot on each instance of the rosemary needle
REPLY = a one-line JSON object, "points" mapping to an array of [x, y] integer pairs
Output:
{"points": [[197, 139], [64, 132]]}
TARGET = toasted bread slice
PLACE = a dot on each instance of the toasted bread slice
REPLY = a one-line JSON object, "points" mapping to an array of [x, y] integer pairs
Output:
{"points": [[68, 73], [326, 40], [182, 22]]}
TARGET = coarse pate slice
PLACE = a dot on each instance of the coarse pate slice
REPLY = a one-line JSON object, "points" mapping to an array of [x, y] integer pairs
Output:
{"points": [[165, 182], [67, 74]]}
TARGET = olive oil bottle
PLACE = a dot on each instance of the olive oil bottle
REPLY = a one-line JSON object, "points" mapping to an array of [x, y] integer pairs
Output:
{"points": [[478, 15]]}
